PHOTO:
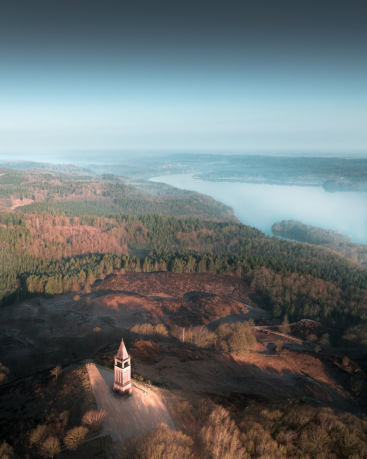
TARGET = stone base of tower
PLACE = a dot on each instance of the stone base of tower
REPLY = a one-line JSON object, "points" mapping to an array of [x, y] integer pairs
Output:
{"points": [[124, 391]]}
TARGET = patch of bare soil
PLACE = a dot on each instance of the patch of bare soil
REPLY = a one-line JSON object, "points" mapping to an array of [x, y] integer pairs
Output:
{"points": [[174, 285], [183, 299], [195, 308]]}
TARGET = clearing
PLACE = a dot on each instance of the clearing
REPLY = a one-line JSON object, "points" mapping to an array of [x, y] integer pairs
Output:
{"points": [[127, 417]]}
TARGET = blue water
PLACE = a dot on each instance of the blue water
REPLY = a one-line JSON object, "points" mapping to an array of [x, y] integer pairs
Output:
{"points": [[262, 205]]}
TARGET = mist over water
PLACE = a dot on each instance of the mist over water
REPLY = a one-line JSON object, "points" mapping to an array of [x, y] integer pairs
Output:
{"points": [[262, 205]]}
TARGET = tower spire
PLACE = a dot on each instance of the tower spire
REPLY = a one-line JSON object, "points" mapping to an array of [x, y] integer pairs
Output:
{"points": [[122, 383], [122, 352]]}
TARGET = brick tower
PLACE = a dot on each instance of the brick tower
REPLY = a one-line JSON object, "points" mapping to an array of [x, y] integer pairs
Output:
{"points": [[122, 383]]}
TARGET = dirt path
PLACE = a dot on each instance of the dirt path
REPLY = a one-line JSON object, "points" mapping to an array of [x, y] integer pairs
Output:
{"points": [[126, 417]]}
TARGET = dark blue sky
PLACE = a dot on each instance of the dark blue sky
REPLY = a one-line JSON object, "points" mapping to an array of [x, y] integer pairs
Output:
{"points": [[243, 75]]}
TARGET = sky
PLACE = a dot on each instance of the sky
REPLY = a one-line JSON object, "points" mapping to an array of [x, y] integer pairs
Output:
{"points": [[183, 75]]}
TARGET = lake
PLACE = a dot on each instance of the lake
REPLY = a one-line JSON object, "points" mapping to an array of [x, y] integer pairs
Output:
{"points": [[262, 205]]}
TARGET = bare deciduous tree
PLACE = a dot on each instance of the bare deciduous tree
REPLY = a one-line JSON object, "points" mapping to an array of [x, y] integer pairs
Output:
{"points": [[94, 419], [221, 438], [165, 443], [50, 447], [6, 451], [75, 436], [38, 435]]}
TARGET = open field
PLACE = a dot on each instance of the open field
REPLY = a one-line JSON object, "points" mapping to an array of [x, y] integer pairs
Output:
{"points": [[260, 374]]}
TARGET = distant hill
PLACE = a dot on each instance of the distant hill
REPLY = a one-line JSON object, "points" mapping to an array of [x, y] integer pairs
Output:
{"points": [[334, 240], [294, 229], [70, 189]]}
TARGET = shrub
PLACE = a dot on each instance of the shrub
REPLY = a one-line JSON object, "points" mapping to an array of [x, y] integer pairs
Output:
{"points": [[356, 336], [56, 371], [278, 345], [324, 341], [143, 330], [238, 337], [358, 384], [285, 328], [161, 330], [200, 336], [311, 338]]}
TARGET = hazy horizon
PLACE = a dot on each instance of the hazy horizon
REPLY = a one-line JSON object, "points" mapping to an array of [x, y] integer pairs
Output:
{"points": [[115, 157]]}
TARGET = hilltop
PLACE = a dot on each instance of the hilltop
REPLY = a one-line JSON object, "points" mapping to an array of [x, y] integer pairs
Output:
{"points": [[231, 327], [185, 334]]}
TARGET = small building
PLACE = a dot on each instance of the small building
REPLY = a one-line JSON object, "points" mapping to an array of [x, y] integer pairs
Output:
{"points": [[122, 382]]}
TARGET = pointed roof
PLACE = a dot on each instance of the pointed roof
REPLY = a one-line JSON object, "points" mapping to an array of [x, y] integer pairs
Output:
{"points": [[122, 352]]}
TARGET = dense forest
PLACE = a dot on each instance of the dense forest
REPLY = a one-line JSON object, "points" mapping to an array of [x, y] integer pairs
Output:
{"points": [[77, 194], [55, 253]]}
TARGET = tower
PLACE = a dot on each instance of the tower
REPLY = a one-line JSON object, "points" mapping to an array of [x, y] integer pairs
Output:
{"points": [[122, 382]]}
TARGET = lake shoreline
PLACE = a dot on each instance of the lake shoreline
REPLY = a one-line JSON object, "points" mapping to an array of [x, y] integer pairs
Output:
{"points": [[260, 205]]}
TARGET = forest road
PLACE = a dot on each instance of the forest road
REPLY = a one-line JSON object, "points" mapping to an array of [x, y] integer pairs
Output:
{"points": [[127, 417]]}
